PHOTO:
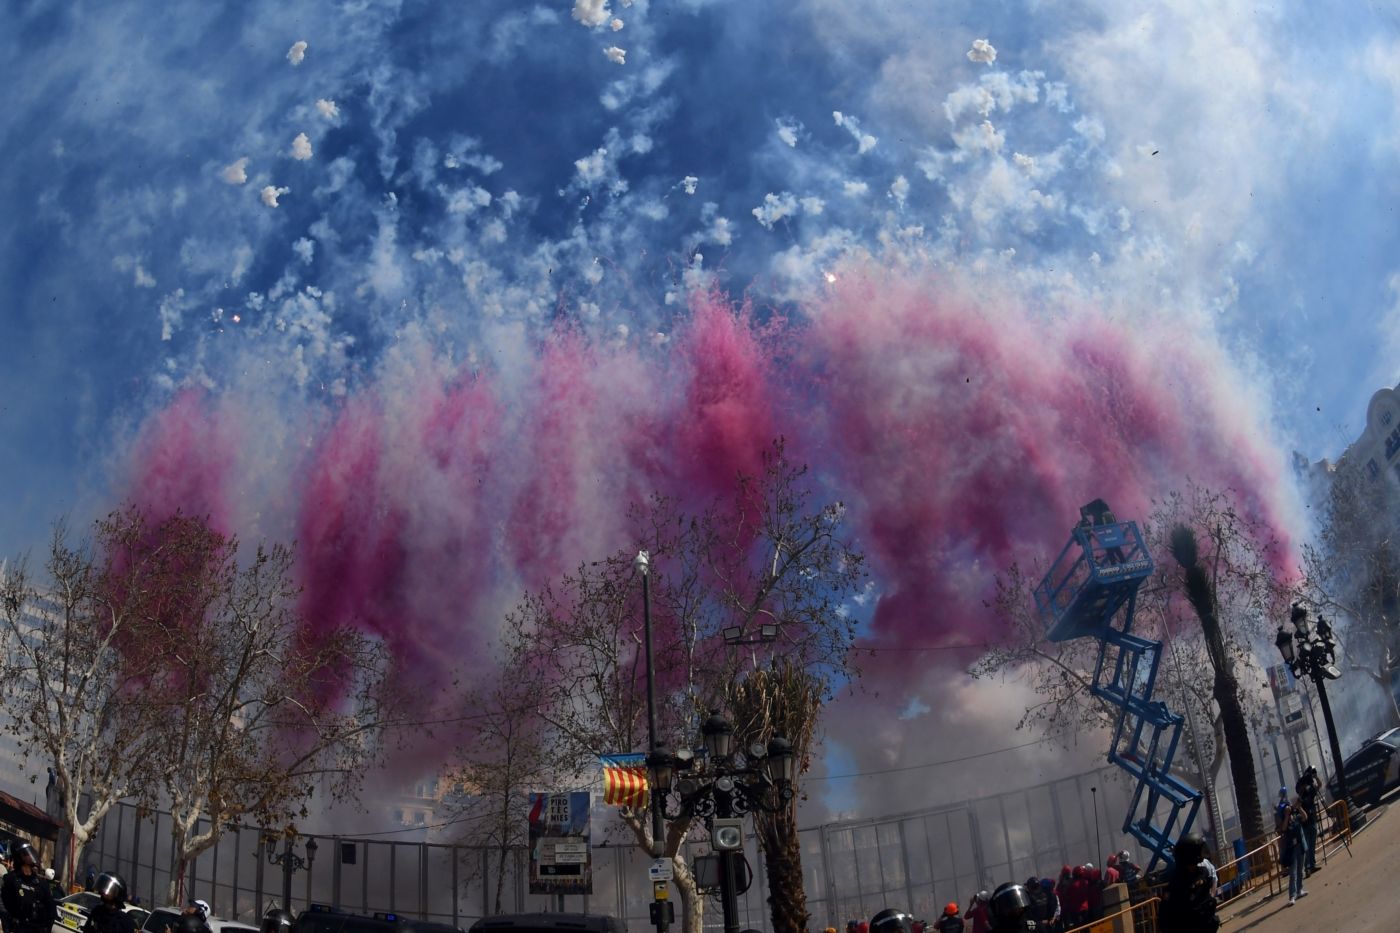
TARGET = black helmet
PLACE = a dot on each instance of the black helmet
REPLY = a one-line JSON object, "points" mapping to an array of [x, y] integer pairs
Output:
{"points": [[1009, 904], [189, 923], [24, 854], [890, 920], [277, 920], [110, 887], [1189, 849]]}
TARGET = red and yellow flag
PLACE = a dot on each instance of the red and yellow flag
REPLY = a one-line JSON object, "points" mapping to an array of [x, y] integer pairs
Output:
{"points": [[625, 780]]}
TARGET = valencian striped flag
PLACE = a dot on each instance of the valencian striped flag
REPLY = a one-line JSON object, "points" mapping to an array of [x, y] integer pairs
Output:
{"points": [[625, 780]]}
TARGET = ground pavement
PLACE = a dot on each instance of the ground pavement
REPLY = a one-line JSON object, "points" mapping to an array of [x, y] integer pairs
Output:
{"points": [[1356, 894]]}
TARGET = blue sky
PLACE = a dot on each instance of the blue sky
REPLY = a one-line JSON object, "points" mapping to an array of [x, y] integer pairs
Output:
{"points": [[491, 159], [265, 197]]}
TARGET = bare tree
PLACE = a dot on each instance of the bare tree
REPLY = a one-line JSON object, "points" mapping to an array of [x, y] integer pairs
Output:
{"points": [[257, 713], [505, 758], [75, 698], [764, 557]]}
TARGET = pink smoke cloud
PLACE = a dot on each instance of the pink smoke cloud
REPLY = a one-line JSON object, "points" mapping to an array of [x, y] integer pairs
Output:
{"points": [[962, 431]]}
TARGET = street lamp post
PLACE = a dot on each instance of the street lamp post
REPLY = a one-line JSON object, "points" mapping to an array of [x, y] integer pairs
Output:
{"points": [[1312, 652], [289, 861], [727, 788], [656, 756]]}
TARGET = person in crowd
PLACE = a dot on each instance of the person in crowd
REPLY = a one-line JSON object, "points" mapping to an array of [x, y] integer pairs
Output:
{"points": [[1187, 904], [1037, 898], [1309, 790], [110, 915], [27, 896], [1078, 908], [198, 907], [190, 923], [852, 926], [978, 912], [1010, 907], [891, 920], [1291, 847], [950, 922], [1128, 871], [1050, 917], [863, 927], [1110, 871], [278, 920], [1095, 891]]}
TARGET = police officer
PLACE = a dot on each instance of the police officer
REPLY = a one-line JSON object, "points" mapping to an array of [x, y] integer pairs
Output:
{"points": [[1187, 904], [190, 923], [891, 920], [110, 915], [27, 896], [277, 920], [1010, 909]]}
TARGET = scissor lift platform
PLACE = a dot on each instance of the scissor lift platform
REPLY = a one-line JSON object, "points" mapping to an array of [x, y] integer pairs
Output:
{"points": [[1091, 592]]}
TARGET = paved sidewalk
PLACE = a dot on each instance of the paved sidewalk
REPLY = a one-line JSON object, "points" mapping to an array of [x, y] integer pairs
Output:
{"points": [[1351, 894]]}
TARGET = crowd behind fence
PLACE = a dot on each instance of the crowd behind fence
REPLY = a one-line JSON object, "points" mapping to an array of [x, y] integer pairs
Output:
{"points": [[853, 868]]}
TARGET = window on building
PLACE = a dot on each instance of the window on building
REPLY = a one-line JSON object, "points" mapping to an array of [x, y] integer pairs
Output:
{"points": [[1386, 417], [1392, 444], [1373, 469], [420, 818]]}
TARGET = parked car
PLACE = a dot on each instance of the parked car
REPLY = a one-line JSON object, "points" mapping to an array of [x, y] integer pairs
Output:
{"points": [[318, 918], [73, 912], [163, 918], [549, 923], [1371, 770]]}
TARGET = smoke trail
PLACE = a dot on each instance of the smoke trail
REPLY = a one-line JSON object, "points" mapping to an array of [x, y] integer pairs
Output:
{"points": [[964, 428]]}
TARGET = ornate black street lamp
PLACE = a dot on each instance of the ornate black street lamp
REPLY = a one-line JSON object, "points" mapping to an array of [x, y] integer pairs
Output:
{"points": [[1311, 651], [289, 861], [722, 791]]}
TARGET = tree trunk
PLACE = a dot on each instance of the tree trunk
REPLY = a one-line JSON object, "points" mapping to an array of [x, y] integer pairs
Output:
{"points": [[782, 858], [1201, 595], [692, 912]]}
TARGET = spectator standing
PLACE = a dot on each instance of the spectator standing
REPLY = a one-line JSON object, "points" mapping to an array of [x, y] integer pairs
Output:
{"points": [[979, 913], [1309, 790], [1292, 846], [950, 922]]}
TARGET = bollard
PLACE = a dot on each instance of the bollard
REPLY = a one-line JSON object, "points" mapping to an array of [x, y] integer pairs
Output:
{"points": [[1116, 901]]}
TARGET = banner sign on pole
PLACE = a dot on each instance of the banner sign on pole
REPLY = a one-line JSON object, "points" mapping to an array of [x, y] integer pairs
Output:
{"points": [[561, 860]]}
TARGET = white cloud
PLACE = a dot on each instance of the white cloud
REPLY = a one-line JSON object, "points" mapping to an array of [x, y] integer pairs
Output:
{"points": [[594, 168], [855, 189], [688, 183], [305, 248], [270, 195], [982, 52], [236, 173], [813, 206], [774, 208], [592, 13], [171, 310], [143, 278], [864, 141], [616, 25], [297, 53], [788, 129], [996, 91], [721, 232], [899, 190], [301, 148], [327, 108], [616, 55], [468, 200]]}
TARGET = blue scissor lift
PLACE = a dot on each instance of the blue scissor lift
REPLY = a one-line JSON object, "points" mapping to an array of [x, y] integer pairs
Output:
{"points": [[1091, 592]]}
